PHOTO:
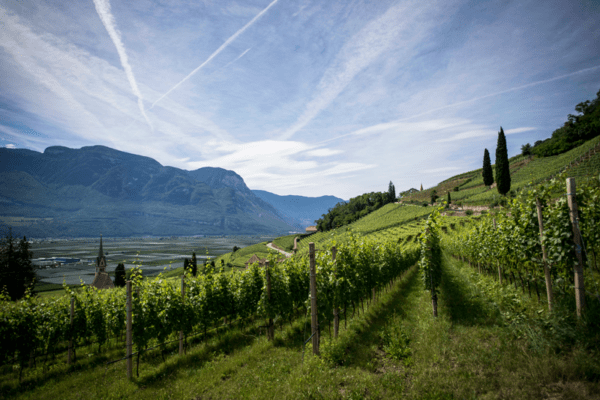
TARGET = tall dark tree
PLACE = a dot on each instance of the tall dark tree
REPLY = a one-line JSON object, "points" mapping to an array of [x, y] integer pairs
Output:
{"points": [[194, 264], [186, 265], [434, 196], [488, 175], [391, 193], [526, 150], [120, 275], [16, 270], [502, 167], [449, 199]]}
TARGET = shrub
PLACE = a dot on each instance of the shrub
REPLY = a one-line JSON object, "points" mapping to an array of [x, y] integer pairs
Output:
{"points": [[395, 341], [456, 188], [483, 212], [469, 212]]}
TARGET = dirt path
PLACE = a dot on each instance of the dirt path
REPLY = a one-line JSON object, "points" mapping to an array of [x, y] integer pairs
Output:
{"points": [[285, 253]]}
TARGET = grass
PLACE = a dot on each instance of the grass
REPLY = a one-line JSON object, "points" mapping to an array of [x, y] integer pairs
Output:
{"points": [[523, 172]]}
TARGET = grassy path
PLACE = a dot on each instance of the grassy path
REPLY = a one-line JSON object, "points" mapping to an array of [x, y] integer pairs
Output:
{"points": [[468, 352]]}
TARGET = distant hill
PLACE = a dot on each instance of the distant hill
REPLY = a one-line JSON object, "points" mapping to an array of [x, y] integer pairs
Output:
{"points": [[92, 190], [299, 209], [467, 188]]}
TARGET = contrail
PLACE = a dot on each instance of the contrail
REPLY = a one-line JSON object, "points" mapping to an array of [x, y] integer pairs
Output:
{"points": [[237, 58], [502, 92], [223, 46], [477, 98], [103, 10]]}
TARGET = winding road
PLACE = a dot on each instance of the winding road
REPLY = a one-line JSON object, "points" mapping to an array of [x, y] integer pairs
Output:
{"points": [[285, 253]]}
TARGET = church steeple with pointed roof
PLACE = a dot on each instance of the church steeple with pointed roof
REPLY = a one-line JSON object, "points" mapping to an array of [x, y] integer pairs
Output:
{"points": [[102, 280], [100, 260], [421, 191]]}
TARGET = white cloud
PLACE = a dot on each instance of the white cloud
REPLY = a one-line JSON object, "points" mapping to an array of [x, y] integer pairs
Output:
{"points": [[518, 130], [10, 146], [323, 152], [468, 134], [267, 164]]}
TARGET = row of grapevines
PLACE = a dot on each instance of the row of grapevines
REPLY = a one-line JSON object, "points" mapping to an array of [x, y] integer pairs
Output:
{"points": [[160, 310], [35, 325], [509, 241], [430, 262]]}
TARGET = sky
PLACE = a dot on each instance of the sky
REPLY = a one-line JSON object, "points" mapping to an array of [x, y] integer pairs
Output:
{"points": [[299, 97]]}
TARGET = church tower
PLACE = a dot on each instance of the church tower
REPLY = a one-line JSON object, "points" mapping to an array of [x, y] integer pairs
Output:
{"points": [[421, 191], [100, 260], [101, 279]]}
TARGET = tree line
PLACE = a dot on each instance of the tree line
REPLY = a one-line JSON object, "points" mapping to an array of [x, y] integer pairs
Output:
{"points": [[575, 131], [17, 275], [357, 207]]}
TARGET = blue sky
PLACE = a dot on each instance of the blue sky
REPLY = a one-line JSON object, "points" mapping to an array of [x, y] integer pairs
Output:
{"points": [[298, 97]]}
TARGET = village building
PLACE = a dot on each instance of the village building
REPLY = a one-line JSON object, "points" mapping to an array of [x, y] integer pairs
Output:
{"points": [[311, 229], [101, 279]]}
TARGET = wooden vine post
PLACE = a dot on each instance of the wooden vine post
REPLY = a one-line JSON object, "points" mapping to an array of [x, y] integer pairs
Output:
{"points": [[499, 267], [538, 204], [336, 310], [270, 327], [70, 354], [314, 321], [578, 267], [129, 335], [182, 299]]}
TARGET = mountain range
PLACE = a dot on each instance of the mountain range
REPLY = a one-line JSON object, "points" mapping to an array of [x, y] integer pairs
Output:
{"points": [[95, 190], [300, 209]]}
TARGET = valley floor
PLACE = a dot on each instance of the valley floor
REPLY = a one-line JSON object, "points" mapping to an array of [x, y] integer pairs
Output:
{"points": [[468, 352]]}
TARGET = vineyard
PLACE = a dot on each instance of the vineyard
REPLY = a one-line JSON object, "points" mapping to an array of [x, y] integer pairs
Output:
{"points": [[404, 302], [36, 327]]}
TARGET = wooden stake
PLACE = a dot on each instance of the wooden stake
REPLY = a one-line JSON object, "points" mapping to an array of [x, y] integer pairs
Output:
{"points": [[336, 309], [499, 267], [270, 329], [70, 354], [578, 267], [314, 322], [129, 334], [549, 292], [181, 332]]}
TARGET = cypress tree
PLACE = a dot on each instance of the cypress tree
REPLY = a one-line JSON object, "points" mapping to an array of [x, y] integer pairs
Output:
{"points": [[391, 193], [488, 175], [120, 275], [449, 199], [502, 168], [194, 264]]}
